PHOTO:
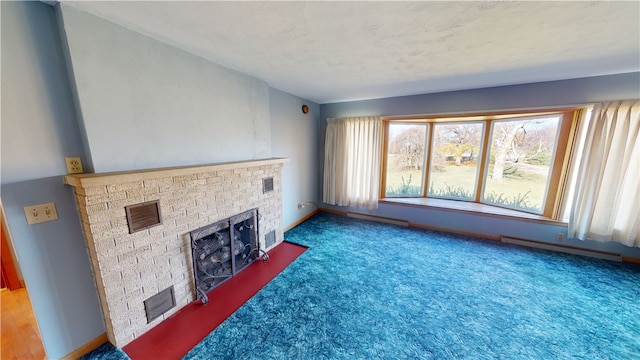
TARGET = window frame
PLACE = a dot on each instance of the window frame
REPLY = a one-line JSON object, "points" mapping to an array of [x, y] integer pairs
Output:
{"points": [[425, 161], [479, 170], [560, 162]]}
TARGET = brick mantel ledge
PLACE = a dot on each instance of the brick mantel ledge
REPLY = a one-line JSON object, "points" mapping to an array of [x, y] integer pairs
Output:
{"points": [[102, 179]]}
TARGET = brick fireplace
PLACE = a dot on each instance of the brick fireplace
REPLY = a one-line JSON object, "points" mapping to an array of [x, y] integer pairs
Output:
{"points": [[130, 268]]}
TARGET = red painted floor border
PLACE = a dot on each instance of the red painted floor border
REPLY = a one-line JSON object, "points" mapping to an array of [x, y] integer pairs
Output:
{"points": [[175, 336]]}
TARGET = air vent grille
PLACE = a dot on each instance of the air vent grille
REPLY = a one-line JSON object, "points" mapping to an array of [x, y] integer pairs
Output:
{"points": [[267, 185], [143, 216], [270, 238], [159, 303]]}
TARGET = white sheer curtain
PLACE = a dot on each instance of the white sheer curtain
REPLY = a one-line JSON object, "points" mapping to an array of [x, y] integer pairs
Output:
{"points": [[352, 161], [606, 203]]}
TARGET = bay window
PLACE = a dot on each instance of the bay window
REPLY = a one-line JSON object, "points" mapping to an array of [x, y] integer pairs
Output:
{"points": [[515, 161]]}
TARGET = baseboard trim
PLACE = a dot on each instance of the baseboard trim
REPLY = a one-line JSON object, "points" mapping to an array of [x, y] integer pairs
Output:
{"points": [[303, 219], [86, 348], [630, 259], [333, 211], [459, 232], [377, 218], [553, 247], [563, 248]]}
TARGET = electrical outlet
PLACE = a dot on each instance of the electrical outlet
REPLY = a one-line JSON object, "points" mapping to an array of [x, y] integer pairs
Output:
{"points": [[74, 165], [40, 213], [560, 237], [301, 205]]}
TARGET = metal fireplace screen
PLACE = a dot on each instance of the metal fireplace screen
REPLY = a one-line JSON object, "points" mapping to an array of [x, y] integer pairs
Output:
{"points": [[222, 249]]}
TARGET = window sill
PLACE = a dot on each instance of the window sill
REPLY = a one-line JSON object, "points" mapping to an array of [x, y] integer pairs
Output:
{"points": [[469, 207]]}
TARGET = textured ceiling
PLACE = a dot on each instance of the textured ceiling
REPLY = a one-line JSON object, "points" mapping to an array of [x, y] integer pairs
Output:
{"points": [[339, 51]]}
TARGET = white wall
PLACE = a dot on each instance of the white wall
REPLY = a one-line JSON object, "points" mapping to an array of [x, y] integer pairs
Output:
{"points": [[145, 104], [293, 135], [38, 130], [527, 96]]}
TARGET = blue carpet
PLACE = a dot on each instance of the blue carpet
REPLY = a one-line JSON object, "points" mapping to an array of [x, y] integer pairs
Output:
{"points": [[366, 290], [106, 352]]}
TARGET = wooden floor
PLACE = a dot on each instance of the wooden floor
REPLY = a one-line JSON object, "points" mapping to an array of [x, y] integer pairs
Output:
{"points": [[20, 336]]}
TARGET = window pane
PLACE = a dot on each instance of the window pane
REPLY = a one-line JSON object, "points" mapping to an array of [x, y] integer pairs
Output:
{"points": [[453, 171], [520, 162], [405, 160]]}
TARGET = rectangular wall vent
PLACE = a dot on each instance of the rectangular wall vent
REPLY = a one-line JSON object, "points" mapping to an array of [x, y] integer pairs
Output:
{"points": [[159, 303], [270, 238], [267, 185], [143, 216]]}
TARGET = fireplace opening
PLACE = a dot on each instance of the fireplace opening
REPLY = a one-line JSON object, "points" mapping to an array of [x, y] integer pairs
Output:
{"points": [[222, 249]]}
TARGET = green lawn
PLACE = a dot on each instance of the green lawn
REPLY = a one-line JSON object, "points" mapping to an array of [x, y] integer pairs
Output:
{"points": [[409, 181], [460, 179], [522, 189]]}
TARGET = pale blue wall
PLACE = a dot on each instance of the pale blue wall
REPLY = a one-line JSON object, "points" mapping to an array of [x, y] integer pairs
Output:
{"points": [[40, 126], [526, 96], [195, 111], [145, 104], [293, 135], [545, 94], [38, 130]]}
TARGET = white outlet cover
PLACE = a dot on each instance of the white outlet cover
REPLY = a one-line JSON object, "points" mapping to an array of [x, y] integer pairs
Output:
{"points": [[40, 213], [74, 165]]}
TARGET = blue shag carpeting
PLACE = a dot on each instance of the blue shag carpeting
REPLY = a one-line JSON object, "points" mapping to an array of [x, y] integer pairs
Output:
{"points": [[106, 352], [366, 290]]}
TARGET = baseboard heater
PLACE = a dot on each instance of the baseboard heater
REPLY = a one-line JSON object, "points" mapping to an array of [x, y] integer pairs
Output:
{"points": [[377, 218], [565, 249]]}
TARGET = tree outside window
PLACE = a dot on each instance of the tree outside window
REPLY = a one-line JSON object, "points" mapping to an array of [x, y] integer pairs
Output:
{"points": [[502, 160]]}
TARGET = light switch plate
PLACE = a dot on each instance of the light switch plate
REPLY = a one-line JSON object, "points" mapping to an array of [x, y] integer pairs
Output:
{"points": [[40, 213]]}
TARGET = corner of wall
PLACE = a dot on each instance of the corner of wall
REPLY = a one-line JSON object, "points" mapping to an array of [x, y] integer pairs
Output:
{"points": [[87, 159]]}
